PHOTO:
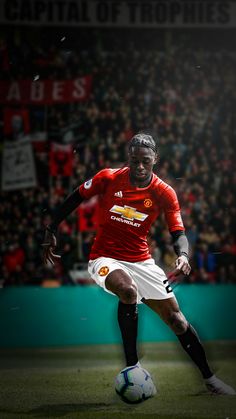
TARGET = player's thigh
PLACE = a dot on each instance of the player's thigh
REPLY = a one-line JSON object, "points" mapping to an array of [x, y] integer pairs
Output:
{"points": [[169, 312], [163, 307], [118, 281], [150, 279], [112, 276]]}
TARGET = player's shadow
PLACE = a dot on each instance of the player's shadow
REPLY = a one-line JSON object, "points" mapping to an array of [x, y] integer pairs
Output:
{"points": [[57, 410], [60, 410], [63, 409]]}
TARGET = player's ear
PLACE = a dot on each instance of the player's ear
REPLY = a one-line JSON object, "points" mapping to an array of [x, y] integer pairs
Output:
{"points": [[155, 158]]}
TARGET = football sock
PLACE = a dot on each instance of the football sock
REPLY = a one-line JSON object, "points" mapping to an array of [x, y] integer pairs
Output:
{"points": [[128, 322], [192, 345]]}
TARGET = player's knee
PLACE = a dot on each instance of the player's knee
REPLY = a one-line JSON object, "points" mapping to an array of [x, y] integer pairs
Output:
{"points": [[177, 322], [122, 285], [128, 294]]}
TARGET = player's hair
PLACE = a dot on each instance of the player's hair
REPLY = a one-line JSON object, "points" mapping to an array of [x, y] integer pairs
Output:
{"points": [[143, 140]]}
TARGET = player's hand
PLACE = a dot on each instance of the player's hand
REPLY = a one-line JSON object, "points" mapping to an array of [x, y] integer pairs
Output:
{"points": [[182, 266], [49, 244]]}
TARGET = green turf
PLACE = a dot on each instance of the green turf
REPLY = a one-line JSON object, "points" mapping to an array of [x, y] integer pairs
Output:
{"points": [[78, 383]]}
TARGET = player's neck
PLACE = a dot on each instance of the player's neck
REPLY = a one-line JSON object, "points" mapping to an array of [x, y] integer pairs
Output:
{"points": [[140, 184]]}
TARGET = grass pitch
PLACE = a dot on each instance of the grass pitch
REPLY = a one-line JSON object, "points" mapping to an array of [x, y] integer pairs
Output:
{"points": [[77, 382]]}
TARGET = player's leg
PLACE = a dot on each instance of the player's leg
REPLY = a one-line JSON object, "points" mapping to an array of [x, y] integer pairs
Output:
{"points": [[110, 274], [169, 311], [120, 283], [114, 278]]}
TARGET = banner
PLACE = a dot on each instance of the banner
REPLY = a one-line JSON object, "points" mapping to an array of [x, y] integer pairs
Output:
{"points": [[88, 215], [45, 92], [16, 120], [61, 160], [123, 13], [18, 169]]}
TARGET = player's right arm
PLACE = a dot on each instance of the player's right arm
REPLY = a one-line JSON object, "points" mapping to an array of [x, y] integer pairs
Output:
{"points": [[50, 241], [94, 186]]}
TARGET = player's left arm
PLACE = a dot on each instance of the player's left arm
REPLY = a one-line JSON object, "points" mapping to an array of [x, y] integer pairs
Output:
{"points": [[180, 243], [174, 220]]}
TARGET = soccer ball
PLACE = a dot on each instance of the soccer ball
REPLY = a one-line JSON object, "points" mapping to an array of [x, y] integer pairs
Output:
{"points": [[134, 385]]}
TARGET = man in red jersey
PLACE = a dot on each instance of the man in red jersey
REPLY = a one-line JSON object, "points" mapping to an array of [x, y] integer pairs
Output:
{"points": [[130, 200]]}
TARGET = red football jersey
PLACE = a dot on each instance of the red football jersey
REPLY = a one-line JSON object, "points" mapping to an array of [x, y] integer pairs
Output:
{"points": [[127, 212]]}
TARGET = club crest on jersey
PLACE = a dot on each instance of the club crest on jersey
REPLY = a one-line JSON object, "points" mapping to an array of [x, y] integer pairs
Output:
{"points": [[119, 194], [88, 184], [129, 213], [147, 203], [103, 271]]}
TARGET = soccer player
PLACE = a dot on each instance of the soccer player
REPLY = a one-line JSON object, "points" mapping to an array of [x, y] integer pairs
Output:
{"points": [[130, 200]]}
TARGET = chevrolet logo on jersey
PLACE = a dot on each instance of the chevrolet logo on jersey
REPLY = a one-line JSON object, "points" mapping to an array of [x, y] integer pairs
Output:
{"points": [[129, 213]]}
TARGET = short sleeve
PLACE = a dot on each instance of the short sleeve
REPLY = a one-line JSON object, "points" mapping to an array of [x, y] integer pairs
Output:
{"points": [[171, 208], [96, 185]]}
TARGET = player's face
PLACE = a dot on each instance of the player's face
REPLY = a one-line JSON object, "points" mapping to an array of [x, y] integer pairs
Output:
{"points": [[141, 162]]}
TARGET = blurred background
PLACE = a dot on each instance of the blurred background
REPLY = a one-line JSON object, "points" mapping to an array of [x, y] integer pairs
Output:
{"points": [[77, 81]]}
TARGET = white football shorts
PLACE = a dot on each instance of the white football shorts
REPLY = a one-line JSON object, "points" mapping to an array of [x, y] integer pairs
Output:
{"points": [[150, 279]]}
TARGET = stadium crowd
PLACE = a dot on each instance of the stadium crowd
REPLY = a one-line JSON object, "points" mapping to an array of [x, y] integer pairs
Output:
{"points": [[181, 93]]}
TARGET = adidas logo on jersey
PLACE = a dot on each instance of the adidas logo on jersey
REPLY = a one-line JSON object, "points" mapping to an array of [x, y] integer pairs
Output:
{"points": [[119, 194]]}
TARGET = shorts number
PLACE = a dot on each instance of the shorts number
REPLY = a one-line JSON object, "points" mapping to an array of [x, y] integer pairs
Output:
{"points": [[168, 287]]}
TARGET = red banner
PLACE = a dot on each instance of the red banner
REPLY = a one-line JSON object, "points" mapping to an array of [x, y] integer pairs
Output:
{"points": [[88, 215], [16, 120], [61, 160], [45, 92]]}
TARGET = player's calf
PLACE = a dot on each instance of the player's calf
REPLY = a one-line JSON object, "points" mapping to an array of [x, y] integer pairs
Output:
{"points": [[177, 322], [192, 345], [128, 322]]}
